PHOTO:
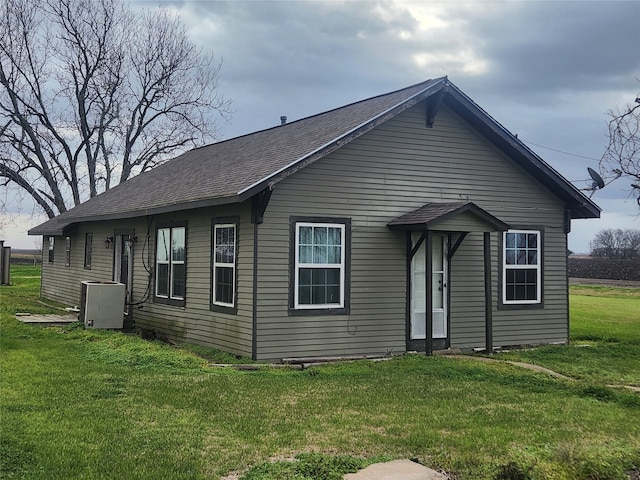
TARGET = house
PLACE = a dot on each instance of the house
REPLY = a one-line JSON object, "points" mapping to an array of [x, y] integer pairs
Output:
{"points": [[407, 221]]}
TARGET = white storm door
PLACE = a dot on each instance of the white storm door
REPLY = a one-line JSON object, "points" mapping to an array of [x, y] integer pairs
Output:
{"points": [[439, 286], [439, 289]]}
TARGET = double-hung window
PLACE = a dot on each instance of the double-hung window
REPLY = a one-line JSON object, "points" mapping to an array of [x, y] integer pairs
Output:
{"points": [[319, 265], [521, 264], [224, 265], [170, 263]]}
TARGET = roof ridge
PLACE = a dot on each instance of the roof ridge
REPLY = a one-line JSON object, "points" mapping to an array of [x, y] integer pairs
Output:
{"points": [[315, 115]]}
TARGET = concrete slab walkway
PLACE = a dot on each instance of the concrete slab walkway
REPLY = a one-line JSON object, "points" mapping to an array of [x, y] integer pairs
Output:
{"points": [[396, 470], [47, 320]]}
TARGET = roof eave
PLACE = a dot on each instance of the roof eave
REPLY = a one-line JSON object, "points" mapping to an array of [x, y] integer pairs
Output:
{"points": [[63, 225]]}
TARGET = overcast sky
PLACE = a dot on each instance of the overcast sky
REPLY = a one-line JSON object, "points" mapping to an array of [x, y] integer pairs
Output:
{"points": [[548, 71]]}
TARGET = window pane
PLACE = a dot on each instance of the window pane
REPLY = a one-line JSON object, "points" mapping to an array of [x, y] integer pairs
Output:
{"points": [[532, 240], [319, 286], [334, 255], [319, 254], [510, 240], [318, 295], [318, 276], [225, 245], [88, 245], [162, 280], [305, 276], [306, 235], [178, 285], [521, 257], [333, 276], [521, 284], [304, 295], [521, 240], [334, 236], [333, 294], [224, 284], [177, 245], [532, 257], [320, 235], [163, 245], [305, 254]]}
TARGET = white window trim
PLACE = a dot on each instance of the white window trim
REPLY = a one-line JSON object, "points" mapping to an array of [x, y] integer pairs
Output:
{"points": [[299, 265], [506, 267], [170, 261], [225, 264]]}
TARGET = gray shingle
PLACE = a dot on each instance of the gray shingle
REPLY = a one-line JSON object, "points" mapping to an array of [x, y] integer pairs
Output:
{"points": [[222, 172]]}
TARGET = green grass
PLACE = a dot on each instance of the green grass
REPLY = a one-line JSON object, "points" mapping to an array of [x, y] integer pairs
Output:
{"points": [[91, 404], [605, 338], [23, 294]]}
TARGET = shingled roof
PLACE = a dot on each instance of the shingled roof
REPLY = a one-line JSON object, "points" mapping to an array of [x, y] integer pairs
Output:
{"points": [[234, 170], [433, 213]]}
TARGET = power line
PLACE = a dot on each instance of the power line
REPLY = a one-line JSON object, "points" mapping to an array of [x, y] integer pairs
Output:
{"points": [[560, 151]]}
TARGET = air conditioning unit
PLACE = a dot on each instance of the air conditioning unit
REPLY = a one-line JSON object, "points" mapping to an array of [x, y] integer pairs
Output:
{"points": [[102, 304]]}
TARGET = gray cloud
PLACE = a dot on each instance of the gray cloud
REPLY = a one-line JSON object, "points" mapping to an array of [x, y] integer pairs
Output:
{"points": [[547, 70]]}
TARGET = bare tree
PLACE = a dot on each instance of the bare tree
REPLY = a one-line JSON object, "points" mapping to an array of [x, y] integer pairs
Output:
{"points": [[616, 243], [92, 93], [623, 152]]}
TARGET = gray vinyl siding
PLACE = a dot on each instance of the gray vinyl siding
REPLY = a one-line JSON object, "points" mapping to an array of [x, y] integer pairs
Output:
{"points": [[465, 222], [196, 322], [62, 283], [388, 172]]}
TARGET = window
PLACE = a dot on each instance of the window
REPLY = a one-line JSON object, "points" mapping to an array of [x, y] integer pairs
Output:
{"points": [[170, 263], [521, 275], [224, 264], [51, 248], [319, 268], [88, 245], [67, 251]]}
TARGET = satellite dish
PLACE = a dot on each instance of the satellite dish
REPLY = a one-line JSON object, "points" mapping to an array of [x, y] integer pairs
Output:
{"points": [[598, 182]]}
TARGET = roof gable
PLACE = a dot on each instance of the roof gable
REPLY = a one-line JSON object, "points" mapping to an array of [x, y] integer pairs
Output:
{"points": [[434, 215]]}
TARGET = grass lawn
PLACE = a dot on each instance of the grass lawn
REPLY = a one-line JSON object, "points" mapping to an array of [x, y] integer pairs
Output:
{"points": [[92, 404], [605, 338]]}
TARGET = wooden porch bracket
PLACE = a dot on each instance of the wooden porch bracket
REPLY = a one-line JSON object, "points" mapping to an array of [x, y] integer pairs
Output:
{"points": [[259, 205]]}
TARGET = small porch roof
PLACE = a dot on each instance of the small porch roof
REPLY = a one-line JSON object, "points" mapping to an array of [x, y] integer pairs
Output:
{"points": [[442, 216]]}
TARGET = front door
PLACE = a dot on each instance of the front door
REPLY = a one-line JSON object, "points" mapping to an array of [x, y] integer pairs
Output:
{"points": [[439, 270]]}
